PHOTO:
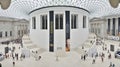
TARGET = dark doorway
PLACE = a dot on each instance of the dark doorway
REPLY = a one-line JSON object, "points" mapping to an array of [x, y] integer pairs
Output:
{"points": [[67, 44], [51, 34]]}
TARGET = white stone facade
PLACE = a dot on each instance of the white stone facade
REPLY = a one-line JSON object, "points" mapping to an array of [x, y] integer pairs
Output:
{"points": [[98, 26], [11, 28], [41, 37], [109, 27]]}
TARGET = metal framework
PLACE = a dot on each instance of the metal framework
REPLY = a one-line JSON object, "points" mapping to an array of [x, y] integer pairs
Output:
{"points": [[21, 8]]}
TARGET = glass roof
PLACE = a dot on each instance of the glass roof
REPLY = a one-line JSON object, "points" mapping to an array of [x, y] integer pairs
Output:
{"points": [[21, 8]]}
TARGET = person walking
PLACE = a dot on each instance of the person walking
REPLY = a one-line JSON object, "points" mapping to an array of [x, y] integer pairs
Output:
{"points": [[17, 56], [109, 56], [81, 57], [56, 58], [84, 57], [102, 59], [13, 63], [0, 65], [113, 65], [39, 57], [93, 61], [110, 64]]}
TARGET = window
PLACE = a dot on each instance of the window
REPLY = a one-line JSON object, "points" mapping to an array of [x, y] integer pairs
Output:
{"points": [[0, 34], [33, 23], [58, 21], [84, 21], [10, 33], [6, 33], [74, 21], [43, 21], [19, 32]]}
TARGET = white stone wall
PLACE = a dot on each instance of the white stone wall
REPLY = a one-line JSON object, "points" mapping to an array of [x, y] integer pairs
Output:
{"points": [[41, 37], [104, 27], [12, 24], [22, 26], [99, 27]]}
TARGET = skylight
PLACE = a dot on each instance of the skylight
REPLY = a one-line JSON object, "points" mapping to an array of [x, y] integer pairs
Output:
{"points": [[21, 8]]}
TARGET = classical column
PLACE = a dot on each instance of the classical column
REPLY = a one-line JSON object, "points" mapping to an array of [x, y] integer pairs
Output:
{"points": [[111, 26], [113, 29], [116, 27]]}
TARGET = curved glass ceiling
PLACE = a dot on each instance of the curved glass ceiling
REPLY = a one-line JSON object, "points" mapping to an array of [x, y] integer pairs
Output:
{"points": [[21, 8]]}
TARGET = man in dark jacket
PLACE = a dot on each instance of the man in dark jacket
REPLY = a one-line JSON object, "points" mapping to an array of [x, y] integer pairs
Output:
{"points": [[0, 65]]}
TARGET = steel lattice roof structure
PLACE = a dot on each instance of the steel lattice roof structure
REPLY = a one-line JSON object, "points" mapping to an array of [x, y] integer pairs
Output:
{"points": [[22, 8]]}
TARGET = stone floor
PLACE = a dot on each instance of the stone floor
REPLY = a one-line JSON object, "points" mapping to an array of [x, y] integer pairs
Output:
{"points": [[72, 58]]}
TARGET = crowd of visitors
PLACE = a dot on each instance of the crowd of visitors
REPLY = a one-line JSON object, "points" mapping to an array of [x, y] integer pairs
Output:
{"points": [[102, 55]]}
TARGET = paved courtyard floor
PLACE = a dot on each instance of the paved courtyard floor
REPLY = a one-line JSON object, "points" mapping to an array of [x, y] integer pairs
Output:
{"points": [[72, 59]]}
